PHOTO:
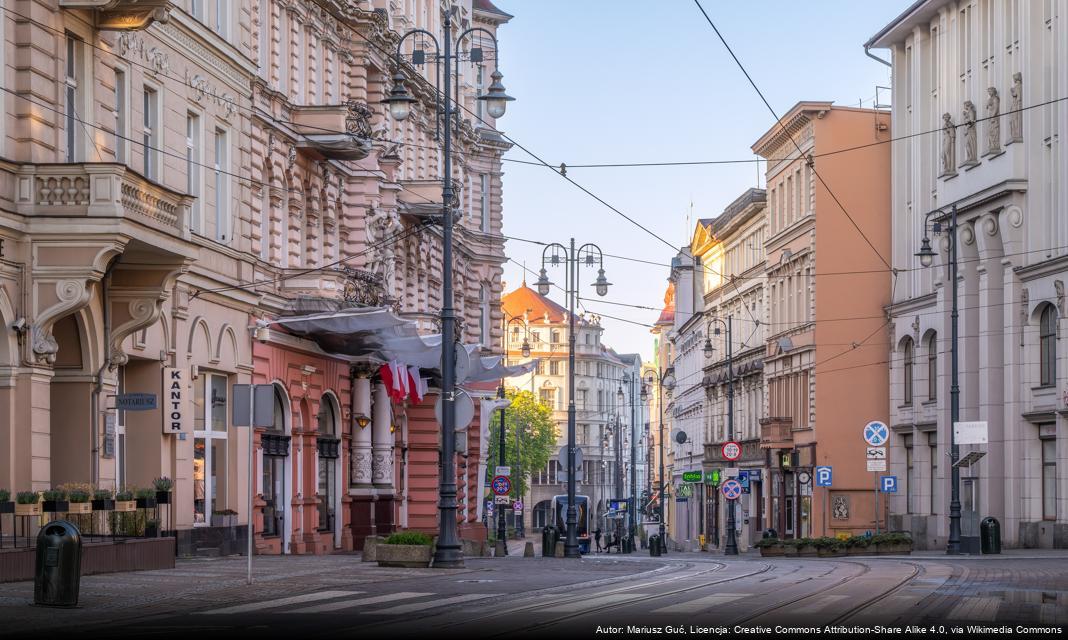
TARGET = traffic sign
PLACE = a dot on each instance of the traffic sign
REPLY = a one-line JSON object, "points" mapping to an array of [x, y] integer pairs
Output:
{"points": [[502, 471], [501, 485], [517, 505], [876, 453], [713, 477], [823, 476], [502, 500], [692, 476], [732, 489], [562, 457], [732, 450], [743, 479], [876, 433], [970, 433], [876, 465], [889, 484]]}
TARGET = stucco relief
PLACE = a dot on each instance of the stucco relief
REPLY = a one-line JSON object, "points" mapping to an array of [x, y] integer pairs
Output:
{"points": [[157, 60], [993, 122], [949, 145], [1016, 117], [971, 148], [361, 466], [72, 294], [382, 467]]}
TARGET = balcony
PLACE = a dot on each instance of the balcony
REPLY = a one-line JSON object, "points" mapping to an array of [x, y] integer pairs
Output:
{"points": [[123, 15], [776, 433], [334, 131], [100, 190]]}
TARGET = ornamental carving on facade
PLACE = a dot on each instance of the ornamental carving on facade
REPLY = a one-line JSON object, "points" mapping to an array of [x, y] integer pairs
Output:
{"points": [[44, 346], [361, 465], [382, 467], [202, 89], [358, 120], [362, 288], [156, 58], [949, 145], [382, 226], [1016, 117], [971, 145], [993, 122]]}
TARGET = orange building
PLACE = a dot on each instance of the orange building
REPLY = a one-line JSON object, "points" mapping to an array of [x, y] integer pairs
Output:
{"points": [[828, 286]]}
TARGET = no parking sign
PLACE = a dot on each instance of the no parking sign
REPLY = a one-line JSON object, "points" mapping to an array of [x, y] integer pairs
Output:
{"points": [[731, 489]]}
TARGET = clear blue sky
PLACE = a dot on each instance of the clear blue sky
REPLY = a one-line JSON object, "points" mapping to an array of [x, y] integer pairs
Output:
{"points": [[628, 81]]}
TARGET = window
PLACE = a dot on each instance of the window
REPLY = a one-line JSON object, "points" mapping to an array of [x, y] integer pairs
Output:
{"points": [[299, 78], [121, 116], [192, 166], [554, 336], [548, 397], [222, 187], [74, 89], [1047, 343], [483, 315], [221, 17], [265, 223], [274, 467], [328, 459], [932, 445], [907, 371], [283, 53], [197, 8], [584, 398], [209, 446], [484, 209], [932, 367], [554, 367], [910, 486], [1049, 479], [264, 14], [480, 88], [150, 132]]}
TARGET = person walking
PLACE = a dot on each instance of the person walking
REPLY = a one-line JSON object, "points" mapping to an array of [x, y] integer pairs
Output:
{"points": [[597, 538]]}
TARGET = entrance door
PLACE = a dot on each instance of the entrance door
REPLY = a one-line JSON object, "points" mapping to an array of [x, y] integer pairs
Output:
{"points": [[969, 515], [120, 436]]}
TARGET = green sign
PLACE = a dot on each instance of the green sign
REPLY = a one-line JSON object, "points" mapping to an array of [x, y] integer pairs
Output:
{"points": [[692, 476], [714, 476]]}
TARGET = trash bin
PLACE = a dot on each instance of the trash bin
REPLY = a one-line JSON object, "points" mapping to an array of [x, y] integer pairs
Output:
{"points": [[58, 565], [654, 545], [990, 535], [549, 536], [771, 533]]}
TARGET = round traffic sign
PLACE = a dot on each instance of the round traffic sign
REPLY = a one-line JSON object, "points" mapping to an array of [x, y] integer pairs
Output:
{"points": [[501, 485], [517, 505], [732, 450], [731, 489], [876, 433]]}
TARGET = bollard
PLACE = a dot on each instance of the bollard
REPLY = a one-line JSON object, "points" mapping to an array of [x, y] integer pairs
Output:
{"points": [[528, 550]]}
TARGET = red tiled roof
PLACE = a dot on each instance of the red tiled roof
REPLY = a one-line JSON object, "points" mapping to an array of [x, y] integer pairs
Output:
{"points": [[525, 300], [667, 316]]}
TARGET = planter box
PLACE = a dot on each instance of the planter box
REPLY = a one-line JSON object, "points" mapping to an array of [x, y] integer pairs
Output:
{"points": [[404, 555], [146, 503], [808, 552], [56, 506], [7, 507], [859, 551], [80, 507], [790, 551], [28, 509], [893, 549], [770, 552], [125, 506], [163, 497], [223, 521], [151, 531], [103, 505], [831, 553]]}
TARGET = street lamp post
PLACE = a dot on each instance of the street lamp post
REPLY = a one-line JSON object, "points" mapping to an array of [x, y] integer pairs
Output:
{"points": [[502, 527], [926, 256], [571, 258], [525, 350], [632, 511], [662, 379], [448, 553], [731, 548]]}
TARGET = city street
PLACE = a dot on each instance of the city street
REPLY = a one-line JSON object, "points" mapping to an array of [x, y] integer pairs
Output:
{"points": [[679, 593]]}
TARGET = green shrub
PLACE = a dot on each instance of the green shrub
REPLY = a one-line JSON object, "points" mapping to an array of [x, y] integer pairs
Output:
{"points": [[795, 542], [768, 542], [103, 494], [892, 538], [145, 492], [858, 542], [124, 496], [79, 496], [55, 494], [5, 495], [163, 484], [26, 497], [410, 537], [224, 512]]}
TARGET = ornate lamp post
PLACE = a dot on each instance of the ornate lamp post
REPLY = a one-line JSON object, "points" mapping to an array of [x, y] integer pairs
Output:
{"points": [[663, 379], [731, 548], [632, 510], [926, 256], [571, 257], [448, 553]]}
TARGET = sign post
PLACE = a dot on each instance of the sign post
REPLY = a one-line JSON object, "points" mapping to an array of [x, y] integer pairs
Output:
{"points": [[258, 413], [876, 434], [823, 479]]}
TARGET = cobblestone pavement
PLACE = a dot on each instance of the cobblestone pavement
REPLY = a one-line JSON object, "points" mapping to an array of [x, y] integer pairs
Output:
{"points": [[341, 595]]}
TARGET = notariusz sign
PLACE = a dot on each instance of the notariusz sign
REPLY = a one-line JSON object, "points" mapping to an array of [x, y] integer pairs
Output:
{"points": [[135, 401]]}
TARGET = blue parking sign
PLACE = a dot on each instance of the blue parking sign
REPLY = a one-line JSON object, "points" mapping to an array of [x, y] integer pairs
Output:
{"points": [[823, 476], [743, 479], [889, 484]]}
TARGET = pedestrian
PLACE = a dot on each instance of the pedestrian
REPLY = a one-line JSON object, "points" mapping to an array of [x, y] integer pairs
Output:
{"points": [[597, 538]]}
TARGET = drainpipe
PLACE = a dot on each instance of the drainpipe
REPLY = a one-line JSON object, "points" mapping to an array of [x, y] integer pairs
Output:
{"points": [[98, 385], [875, 57]]}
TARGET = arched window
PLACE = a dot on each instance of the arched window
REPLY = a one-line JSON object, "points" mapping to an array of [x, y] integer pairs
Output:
{"points": [[932, 366], [483, 315], [329, 451], [1047, 343], [907, 370]]}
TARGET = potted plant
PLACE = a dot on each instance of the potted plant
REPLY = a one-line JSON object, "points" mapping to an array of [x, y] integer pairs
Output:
{"points": [[124, 501], [146, 498], [791, 547], [152, 528], [6, 505], [858, 545], [827, 547], [27, 503], [55, 501], [163, 486], [806, 548], [770, 547], [79, 502], [405, 549], [224, 518], [892, 544], [103, 500]]}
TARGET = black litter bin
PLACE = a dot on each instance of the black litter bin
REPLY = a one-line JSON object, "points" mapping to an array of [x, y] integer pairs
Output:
{"points": [[58, 565], [990, 535], [771, 533], [654, 545]]}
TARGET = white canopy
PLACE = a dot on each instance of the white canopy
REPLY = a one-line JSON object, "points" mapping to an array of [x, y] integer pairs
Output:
{"points": [[379, 334]]}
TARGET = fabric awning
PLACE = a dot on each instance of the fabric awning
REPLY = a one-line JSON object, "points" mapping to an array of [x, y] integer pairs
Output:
{"points": [[379, 334]]}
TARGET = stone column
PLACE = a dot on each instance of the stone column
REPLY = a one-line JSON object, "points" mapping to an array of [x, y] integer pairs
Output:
{"points": [[361, 437], [382, 440]]}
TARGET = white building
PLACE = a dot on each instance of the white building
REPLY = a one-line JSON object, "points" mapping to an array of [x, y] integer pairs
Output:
{"points": [[976, 128]]}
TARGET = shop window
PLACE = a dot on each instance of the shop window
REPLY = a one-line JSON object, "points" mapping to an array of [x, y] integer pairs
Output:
{"points": [[209, 446]]}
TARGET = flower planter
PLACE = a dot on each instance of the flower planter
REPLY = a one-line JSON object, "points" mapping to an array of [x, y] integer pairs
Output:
{"points": [[163, 497], [790, 551], [146, 503], [859, 551], [769, 552], [7, 507], [831, 553], [223, 521], [893, 549], [403, 555], [56, 506], [28, 509], [808, 551], [80, 507], [103, 505], [125, 506], [151, 531]]}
